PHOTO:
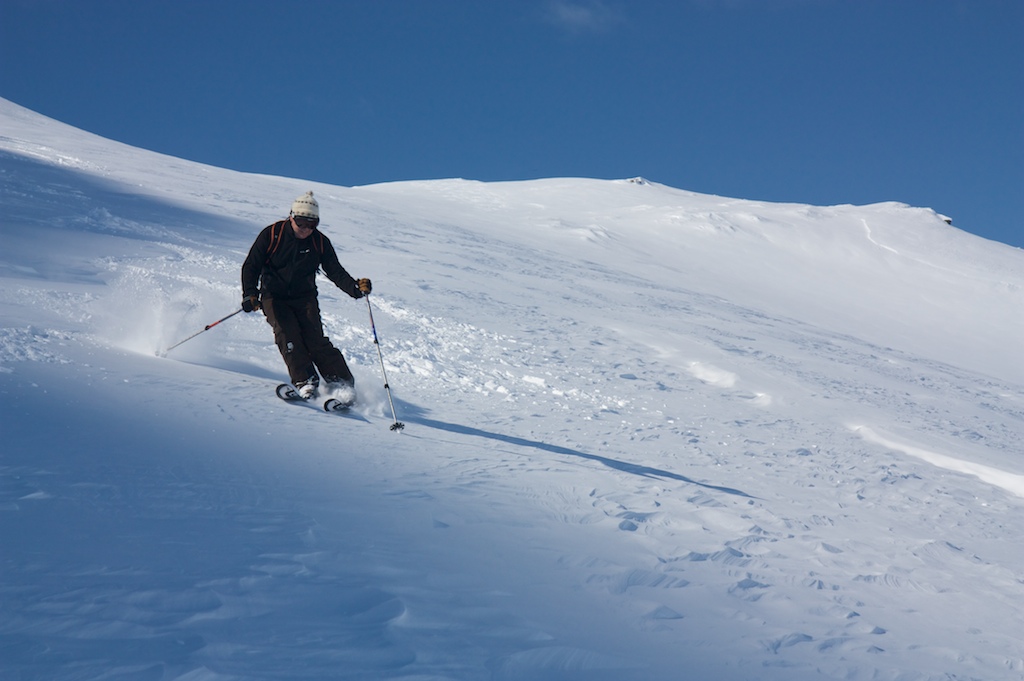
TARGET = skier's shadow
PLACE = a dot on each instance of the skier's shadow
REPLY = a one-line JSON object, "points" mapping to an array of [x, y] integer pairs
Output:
{"points": [[635, 469]]}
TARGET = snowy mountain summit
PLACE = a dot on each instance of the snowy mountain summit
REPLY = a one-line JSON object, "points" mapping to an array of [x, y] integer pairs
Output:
{"points": [[650, 434]]}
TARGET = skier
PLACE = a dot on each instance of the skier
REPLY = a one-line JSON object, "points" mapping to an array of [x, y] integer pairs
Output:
{"points": [[279, 277]]}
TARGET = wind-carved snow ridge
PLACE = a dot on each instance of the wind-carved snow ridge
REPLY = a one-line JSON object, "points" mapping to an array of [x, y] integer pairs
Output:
{"points": [[627, 449], [867, 229], [712, 375], [1009, 481]]}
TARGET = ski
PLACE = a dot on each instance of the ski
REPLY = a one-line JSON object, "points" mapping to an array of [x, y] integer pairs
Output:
{"points": [[334, 404], [288, 393]]}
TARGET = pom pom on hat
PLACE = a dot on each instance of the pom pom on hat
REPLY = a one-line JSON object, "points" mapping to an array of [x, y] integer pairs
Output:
{"points": [[306, 206]]}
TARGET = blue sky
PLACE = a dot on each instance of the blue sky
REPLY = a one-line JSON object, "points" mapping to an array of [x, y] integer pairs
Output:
{"points": [[811, 101]]}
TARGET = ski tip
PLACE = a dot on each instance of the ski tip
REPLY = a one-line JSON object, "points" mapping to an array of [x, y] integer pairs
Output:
{"points": [[334, 404], [287, 393]]}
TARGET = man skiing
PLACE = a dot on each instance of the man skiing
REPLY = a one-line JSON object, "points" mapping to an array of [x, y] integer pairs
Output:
{"points": [[279, 277]]}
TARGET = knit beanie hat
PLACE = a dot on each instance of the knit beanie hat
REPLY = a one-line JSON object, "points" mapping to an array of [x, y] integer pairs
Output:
{"points": [[306, 207]]}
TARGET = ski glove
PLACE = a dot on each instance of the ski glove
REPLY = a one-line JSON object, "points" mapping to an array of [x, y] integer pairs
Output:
{"points": [[365, 286], [250, 303]]}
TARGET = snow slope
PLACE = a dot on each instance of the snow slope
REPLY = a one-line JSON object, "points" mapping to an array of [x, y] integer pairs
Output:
{"points": [[651, 434]]}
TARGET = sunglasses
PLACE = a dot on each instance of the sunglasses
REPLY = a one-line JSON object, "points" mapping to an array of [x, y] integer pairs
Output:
{"points": [[307, 223]]}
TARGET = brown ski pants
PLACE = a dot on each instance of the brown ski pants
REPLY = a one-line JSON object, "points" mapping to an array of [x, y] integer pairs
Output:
{"points": [[299, 334]]}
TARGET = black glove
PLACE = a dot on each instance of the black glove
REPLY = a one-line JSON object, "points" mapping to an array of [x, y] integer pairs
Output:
{"points": [[365, 286], [250, 303]]}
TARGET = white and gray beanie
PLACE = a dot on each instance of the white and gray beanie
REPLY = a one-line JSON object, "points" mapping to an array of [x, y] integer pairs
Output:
{"points": [[306, 207]]}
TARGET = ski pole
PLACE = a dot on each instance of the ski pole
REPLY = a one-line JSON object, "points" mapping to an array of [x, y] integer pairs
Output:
{"points": [[205, 328], [397, 425]]}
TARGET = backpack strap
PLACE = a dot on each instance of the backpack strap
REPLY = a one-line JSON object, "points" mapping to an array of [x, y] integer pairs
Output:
{"points": [[276, 234]]}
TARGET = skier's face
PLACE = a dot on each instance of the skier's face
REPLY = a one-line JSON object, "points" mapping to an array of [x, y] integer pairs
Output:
{"points": [[304, 226]]}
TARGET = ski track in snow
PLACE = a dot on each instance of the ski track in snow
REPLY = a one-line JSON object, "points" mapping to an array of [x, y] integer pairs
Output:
{"points": [[609, 470]]}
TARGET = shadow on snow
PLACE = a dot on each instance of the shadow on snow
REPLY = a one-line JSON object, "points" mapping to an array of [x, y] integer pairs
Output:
{"points": [[634, 469]]}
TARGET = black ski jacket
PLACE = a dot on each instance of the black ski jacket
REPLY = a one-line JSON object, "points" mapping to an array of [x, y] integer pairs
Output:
{"points": [[281, 265]]}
